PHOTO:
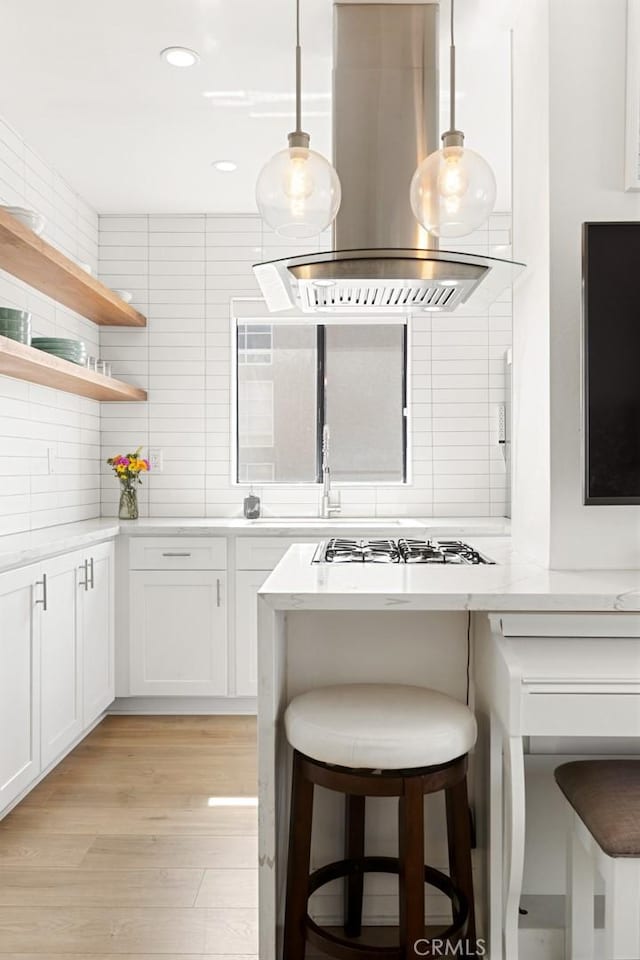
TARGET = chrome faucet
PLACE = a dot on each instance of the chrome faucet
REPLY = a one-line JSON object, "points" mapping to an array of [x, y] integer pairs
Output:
{"points": [[330, 502]]}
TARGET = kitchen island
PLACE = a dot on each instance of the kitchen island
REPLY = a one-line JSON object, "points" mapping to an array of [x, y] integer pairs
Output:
{"points": [[323, 623]]}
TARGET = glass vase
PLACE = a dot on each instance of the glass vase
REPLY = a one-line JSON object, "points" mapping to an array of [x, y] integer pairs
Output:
{"points": [[128, 509]]}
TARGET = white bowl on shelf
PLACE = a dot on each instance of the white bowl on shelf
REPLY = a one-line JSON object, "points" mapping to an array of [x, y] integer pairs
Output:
{"points": [[125, 295], [28, 218]]}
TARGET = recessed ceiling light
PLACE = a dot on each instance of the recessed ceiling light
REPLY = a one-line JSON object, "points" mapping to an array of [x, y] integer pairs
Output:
{"points": [[224, 166], [180, 56]]}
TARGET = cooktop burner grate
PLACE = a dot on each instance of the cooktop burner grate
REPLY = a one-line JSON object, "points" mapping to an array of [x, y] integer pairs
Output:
{"points": [[341, 550], [441, 551]]}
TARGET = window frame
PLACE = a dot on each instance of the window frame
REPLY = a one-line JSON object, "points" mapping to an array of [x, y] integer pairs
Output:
{"points": [[407, 480]]}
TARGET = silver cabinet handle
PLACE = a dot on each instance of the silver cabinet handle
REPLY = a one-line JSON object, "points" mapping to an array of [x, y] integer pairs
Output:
{"points": [[91, 576], [218, 592], [43, 583], [176, 554], [85, 583]]}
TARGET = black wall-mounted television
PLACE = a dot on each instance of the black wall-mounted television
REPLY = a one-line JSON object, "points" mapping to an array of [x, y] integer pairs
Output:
{"points": [[611, 313]]}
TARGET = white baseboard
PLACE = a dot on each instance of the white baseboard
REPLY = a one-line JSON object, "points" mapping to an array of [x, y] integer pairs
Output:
{"points": [[193, 706]]}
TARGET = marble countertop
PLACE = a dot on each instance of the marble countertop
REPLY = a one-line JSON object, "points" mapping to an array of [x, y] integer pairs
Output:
{"points": [[511, 583], [20, 549], [319, 527]]}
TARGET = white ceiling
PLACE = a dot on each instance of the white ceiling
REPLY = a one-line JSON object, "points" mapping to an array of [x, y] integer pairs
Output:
{"points": [[82, 81]]}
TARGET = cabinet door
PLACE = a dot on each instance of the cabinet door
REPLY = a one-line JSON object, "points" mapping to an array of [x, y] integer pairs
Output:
{"points": [[95, 613], [19, 680], [248, 582], [61, 702], [178, 633]]}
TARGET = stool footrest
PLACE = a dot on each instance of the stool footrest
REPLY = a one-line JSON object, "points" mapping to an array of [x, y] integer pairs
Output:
{"points": [[342, 948]]}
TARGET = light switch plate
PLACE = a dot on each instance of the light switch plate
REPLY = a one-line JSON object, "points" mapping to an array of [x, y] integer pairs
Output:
{"points": [[156, 460]]}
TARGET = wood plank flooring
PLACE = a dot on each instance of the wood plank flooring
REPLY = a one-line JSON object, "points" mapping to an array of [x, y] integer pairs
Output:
{"points": [[124, 852]]}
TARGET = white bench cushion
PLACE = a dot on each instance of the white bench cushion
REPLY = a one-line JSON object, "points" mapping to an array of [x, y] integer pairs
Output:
{"points": [[379, 726]]}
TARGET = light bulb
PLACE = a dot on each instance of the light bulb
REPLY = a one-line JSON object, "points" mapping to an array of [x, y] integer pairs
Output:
{"points": [[453, 191], [298, 179], [453, 181], [298, 193]]}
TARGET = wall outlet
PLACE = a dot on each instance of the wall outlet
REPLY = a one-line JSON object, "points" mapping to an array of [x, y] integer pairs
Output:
{"points": [[156, 460], [51, 460], [501, 422]]}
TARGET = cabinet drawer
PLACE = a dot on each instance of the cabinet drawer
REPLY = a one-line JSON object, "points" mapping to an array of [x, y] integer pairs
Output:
{"points": [[264, 553], [178, 553]]}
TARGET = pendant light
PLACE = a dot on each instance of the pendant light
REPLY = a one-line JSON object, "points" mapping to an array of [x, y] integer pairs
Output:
{"points": [[298, 190], [453, 191]]}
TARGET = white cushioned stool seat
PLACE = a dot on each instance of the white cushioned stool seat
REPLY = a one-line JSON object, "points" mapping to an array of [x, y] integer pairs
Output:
{"points": [[379, 726]]}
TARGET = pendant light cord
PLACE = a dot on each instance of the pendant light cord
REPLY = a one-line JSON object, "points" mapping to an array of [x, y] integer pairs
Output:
{"points": [[298, 72], [452, 73], [298, 139]]}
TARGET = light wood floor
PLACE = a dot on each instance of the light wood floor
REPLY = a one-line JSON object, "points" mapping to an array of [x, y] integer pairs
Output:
{"points": [[119, 853]]}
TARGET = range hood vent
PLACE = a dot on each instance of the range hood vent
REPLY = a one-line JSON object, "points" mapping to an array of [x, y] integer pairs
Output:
{"points": [[385, 121]]}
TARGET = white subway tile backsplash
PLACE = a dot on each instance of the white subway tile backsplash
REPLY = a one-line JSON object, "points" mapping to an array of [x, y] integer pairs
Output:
{"points": [[176, 254], [459, 495], [187, 269], [36, 419], [179, 224], [458, 509], [460, 423]]}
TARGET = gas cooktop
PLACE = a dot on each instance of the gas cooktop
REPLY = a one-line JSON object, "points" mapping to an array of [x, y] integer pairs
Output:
{"points": [[343, 550]]}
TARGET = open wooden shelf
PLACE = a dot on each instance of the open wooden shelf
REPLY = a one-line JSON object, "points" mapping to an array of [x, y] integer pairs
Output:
{"points": [[40, 265], [36, 366]]}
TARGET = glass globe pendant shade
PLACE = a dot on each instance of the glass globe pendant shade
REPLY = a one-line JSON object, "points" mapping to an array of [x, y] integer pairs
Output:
{"points": [[298, 193], [453, 191]]}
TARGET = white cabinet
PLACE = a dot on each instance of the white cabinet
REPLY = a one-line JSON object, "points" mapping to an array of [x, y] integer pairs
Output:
{"points": [[264, 553], [19, 679], [56, 660], [95, 623], [256, 557], [178, 632], [176, 636], [248, 582], [60, 652]]}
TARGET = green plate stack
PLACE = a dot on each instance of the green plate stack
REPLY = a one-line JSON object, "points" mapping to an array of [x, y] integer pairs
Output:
{"points": [[15, 324], [73, 350]]}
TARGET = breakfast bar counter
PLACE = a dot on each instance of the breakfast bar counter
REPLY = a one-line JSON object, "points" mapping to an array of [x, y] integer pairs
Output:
{"points": [[480, 631], [510, 583]]}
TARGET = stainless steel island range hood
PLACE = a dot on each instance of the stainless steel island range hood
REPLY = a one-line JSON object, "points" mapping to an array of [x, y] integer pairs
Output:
{"points": [[385, 101]]}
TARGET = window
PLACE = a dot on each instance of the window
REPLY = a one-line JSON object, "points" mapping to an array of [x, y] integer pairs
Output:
{"points": [[254, 343], [294, 378]]}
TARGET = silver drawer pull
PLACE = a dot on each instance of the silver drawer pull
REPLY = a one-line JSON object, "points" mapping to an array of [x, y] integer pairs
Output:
{"points": [[91, 576], [85, 583], [176, 554], [43, 583], [218, 592]]}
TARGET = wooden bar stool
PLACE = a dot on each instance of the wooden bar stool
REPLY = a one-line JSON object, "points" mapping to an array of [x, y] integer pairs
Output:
{"points": [[379, 740], [604, 834]]}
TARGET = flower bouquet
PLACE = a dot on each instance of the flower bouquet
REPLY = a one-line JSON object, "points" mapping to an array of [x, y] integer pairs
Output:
{"points": [[127, 469]]}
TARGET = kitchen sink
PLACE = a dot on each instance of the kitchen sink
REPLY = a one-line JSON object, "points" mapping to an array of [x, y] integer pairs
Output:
{"points": [[361, 522]]}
